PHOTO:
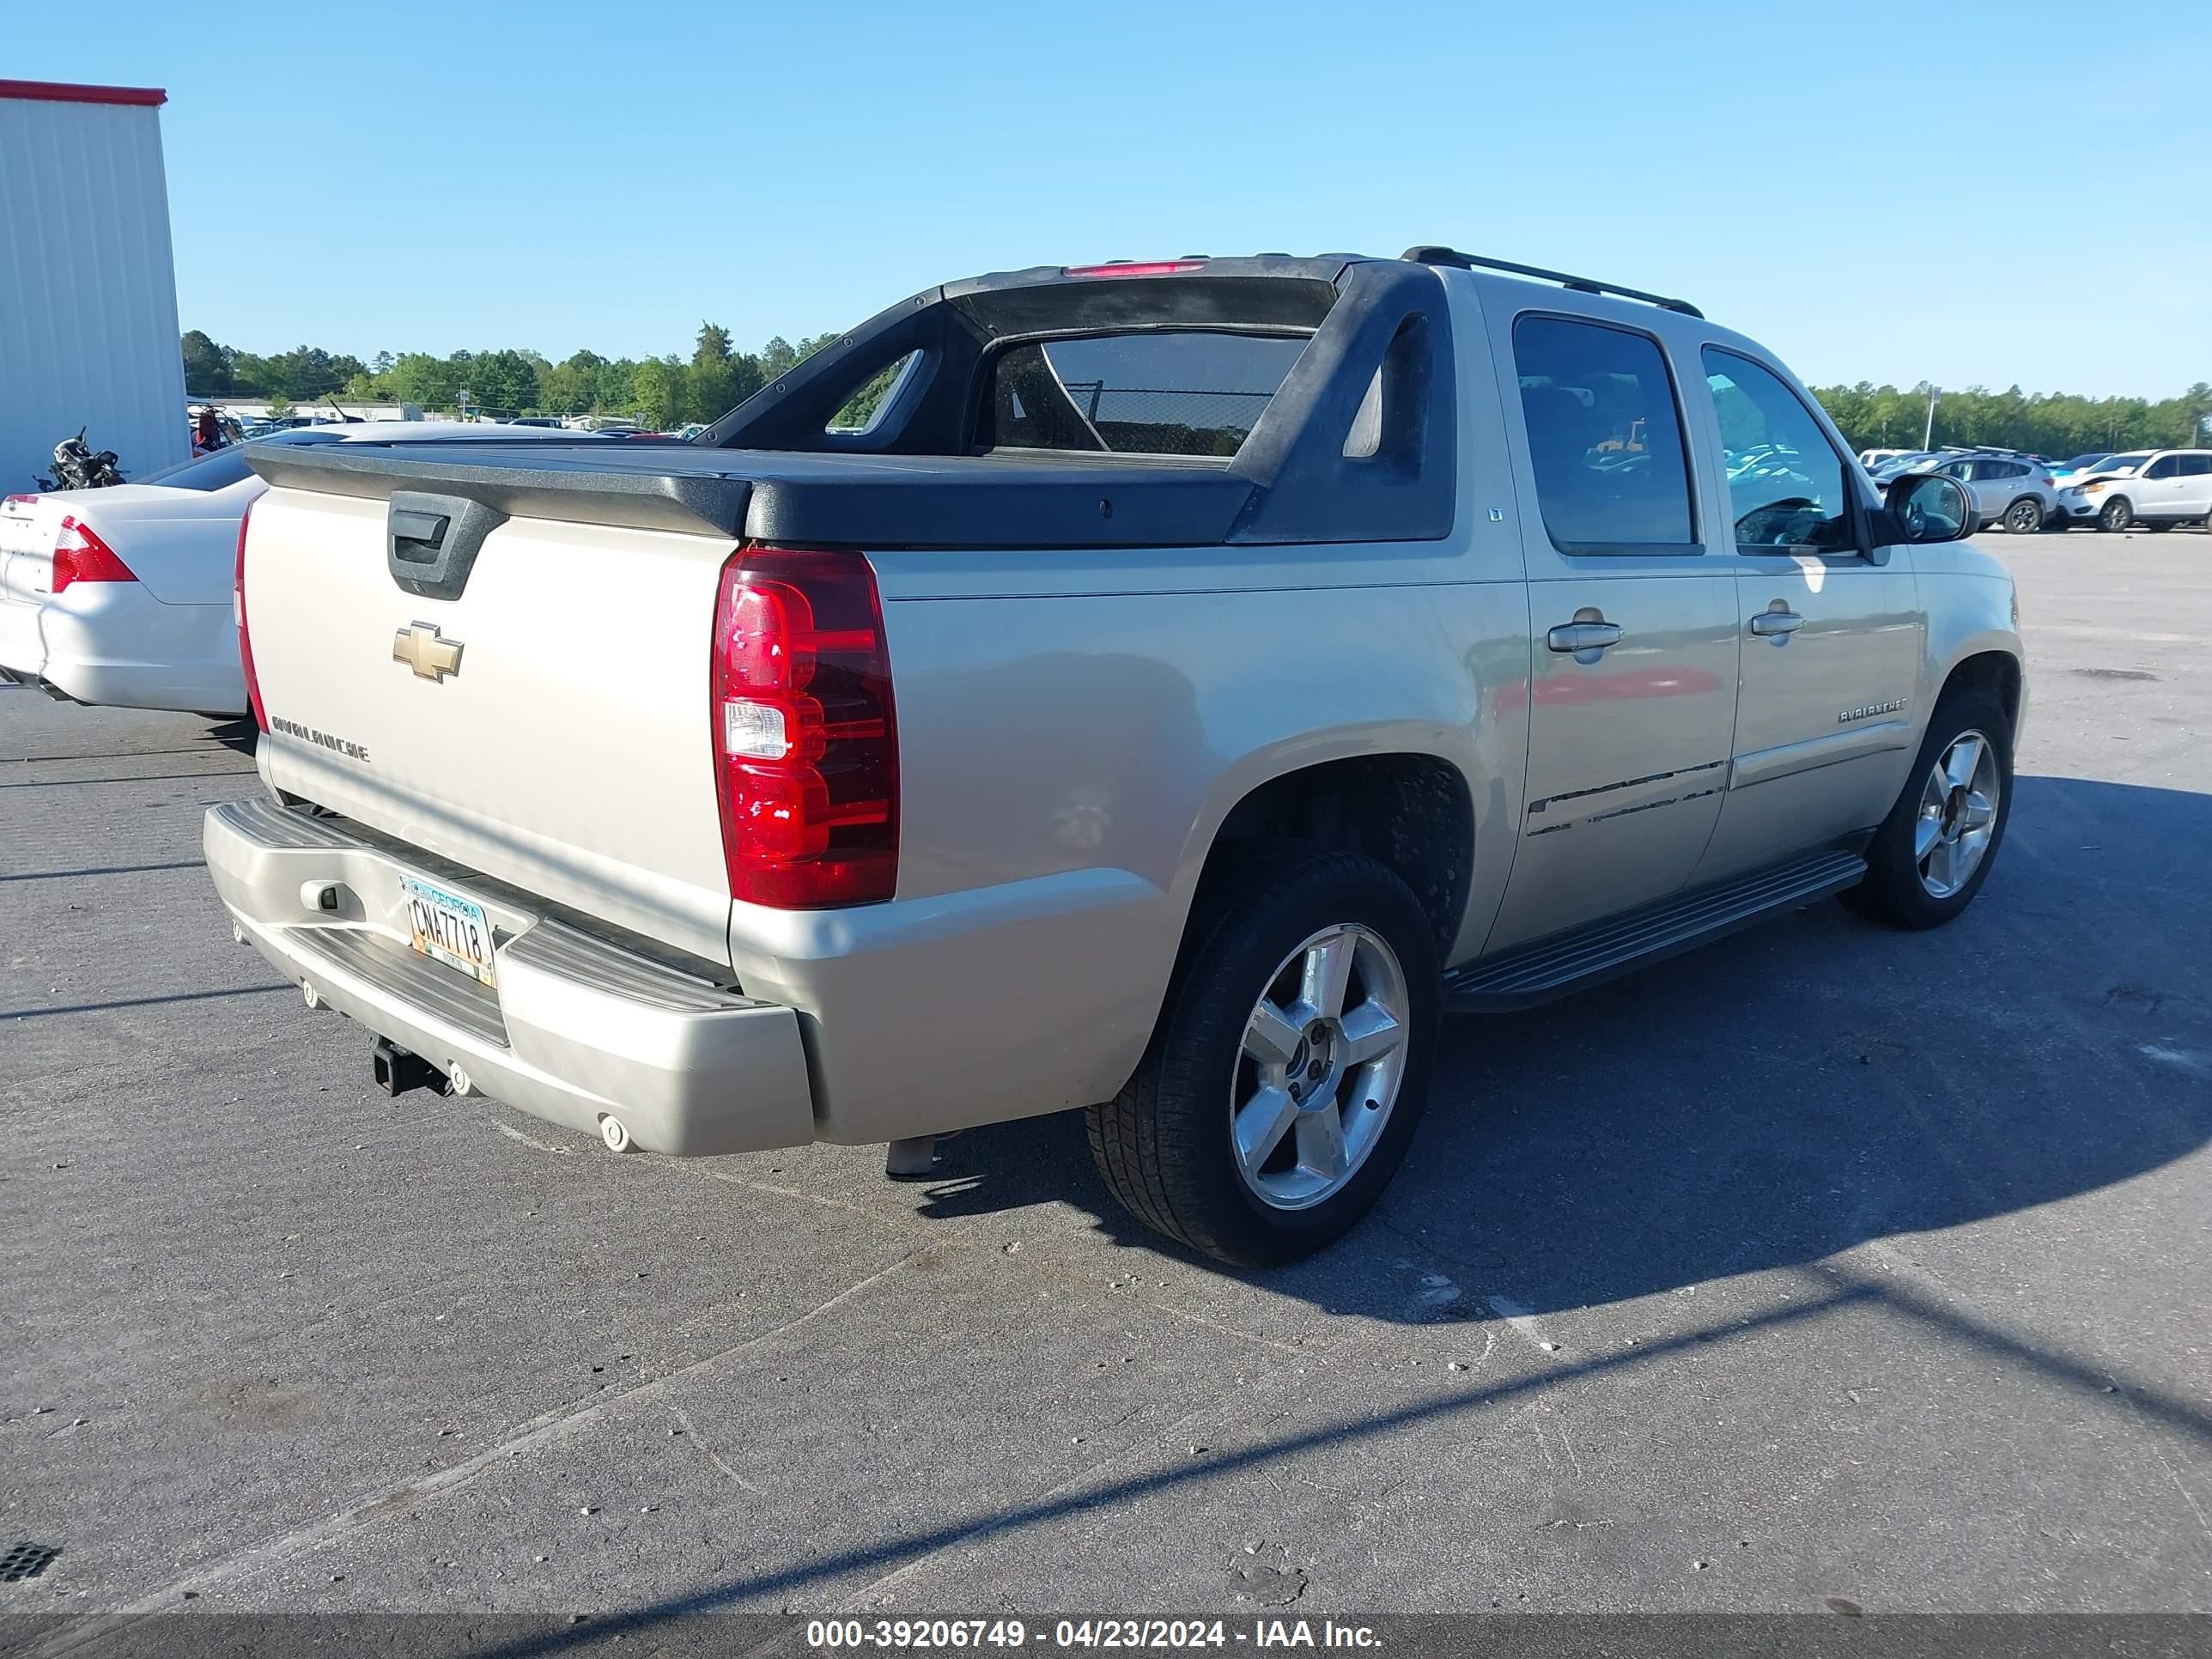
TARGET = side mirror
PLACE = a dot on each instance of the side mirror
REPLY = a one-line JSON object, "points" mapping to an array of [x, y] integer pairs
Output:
{"points": [[1929, 507]]}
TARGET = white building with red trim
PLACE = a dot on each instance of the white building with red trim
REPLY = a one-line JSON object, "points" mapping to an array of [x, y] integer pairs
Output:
{"points": [[87, 287]]}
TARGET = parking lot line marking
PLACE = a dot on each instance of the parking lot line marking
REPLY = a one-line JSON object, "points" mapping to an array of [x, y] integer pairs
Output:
{"points": [[691, 1430], [1523, 1319], [513, 1133], [549, 1428]]}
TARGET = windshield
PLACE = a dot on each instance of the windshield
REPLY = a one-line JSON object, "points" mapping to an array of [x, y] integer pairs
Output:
{"points": [[2123, 463]]}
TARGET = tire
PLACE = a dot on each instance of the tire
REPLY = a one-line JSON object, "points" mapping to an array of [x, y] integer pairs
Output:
{"points": [[1897, 889], [1166, 1145], [2024, 517], [2116, 515]]}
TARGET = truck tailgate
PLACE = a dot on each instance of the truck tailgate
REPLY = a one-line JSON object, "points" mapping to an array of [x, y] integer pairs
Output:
{"points": [[548, 727]]}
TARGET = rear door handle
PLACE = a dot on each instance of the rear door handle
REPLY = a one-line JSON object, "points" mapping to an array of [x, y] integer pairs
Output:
{"points": [[1576, 637], [1768, 623]]}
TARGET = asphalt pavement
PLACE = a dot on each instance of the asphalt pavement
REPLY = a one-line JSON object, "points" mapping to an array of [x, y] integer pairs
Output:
{"points": [[1828, 1268]]}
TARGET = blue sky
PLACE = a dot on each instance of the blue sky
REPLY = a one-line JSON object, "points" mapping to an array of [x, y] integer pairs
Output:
{"points": [[1892, 192]]}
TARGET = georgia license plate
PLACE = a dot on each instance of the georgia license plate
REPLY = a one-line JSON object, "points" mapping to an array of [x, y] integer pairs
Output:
{"points": [[449, 929]]}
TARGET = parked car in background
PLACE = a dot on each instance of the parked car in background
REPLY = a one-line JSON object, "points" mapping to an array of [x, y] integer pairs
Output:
{"points": [[122, 595], [2063, 473], [2167, 487], [2007, 487], [1872, 458], [1910, 460], [2083, 493]]}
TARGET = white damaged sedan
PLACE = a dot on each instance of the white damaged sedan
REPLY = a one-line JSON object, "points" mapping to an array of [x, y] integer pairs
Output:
{"points": [[122, 595]]}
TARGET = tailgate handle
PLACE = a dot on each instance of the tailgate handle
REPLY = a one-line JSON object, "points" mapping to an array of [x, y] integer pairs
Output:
{"points": [[431, 542], [415, 536]]}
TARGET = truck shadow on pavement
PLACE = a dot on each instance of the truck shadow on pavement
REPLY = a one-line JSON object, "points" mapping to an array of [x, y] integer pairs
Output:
{"points": [[1782, 1095]]}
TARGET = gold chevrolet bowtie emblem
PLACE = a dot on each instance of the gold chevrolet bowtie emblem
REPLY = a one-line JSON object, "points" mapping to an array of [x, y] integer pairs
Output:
{"points": [[418, 646]]}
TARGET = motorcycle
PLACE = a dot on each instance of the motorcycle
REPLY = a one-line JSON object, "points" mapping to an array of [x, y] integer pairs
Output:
{"points": [[77, 466]]}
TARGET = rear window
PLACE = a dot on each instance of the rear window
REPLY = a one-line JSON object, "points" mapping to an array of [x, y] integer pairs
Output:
{"points": [[220, 469], [1167, 392], [1604, 441], [217, 469]]}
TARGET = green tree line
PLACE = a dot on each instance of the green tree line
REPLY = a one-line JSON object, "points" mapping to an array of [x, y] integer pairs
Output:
{"points": [[2058, 424], [659, 392], [665, 391]]}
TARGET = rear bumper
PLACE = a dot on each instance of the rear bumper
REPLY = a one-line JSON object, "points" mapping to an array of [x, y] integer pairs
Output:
{"points": [[114, 644], [577, 1029], [22, 647]]}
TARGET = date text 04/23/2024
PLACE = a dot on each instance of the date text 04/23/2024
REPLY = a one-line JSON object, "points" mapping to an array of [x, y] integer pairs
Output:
{"points": [[834, 1635]]}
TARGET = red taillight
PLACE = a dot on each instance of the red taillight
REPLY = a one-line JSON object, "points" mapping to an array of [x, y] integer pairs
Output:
{"points": [[805, 746], [21, 501], [245, 635], [81, 557], [1135, 268]]}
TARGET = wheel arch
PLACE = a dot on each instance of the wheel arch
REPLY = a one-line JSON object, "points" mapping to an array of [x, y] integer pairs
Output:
{"points": [[1401, 800], [1997, 673]]}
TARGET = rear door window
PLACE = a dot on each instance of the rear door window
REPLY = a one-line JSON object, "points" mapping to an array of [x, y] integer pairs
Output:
{"points": [[1605, 440], [2196, 466], [1168, 392]]}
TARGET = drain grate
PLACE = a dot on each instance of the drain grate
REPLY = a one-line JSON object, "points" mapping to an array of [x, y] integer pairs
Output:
{"points": [[20, 1561]]}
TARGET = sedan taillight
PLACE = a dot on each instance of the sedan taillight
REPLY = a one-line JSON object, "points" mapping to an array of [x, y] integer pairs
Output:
{"points": [[81, 557]]}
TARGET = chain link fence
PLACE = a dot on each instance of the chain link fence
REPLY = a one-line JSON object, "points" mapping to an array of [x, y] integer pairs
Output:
{"points": [[1169, 420]]}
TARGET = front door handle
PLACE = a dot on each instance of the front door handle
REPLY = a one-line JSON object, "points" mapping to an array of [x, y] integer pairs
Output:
{"points": [[1576, 637], [1774, 622]]}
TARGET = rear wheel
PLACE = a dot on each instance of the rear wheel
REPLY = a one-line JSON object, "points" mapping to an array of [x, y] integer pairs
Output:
{"points": [[1936, 848], [2116, 515], [1289, 1068], [2024, 517]]}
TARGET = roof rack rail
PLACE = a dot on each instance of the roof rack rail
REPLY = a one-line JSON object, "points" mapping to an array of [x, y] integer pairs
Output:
{"points": [[1429, 255]]}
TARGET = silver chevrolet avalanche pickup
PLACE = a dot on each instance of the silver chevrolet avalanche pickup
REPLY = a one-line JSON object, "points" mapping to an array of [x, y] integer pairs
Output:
{"points": [[1161, 689]]}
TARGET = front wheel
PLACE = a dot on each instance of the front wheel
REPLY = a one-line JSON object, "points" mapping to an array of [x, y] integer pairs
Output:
{"points": [[1289, 1065], [1936, 848], [2024, 517], [2116, 514]]}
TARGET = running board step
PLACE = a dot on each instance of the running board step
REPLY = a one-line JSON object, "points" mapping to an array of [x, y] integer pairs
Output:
{"points": [[1553, 966]]}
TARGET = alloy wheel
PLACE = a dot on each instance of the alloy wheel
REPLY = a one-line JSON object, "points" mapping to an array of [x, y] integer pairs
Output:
{"points": [[1324, 1052], [1958, 814]]}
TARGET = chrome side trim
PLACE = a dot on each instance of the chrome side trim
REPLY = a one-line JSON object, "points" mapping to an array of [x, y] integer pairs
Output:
{"points": [[1550, 801], [1786, 760]]}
